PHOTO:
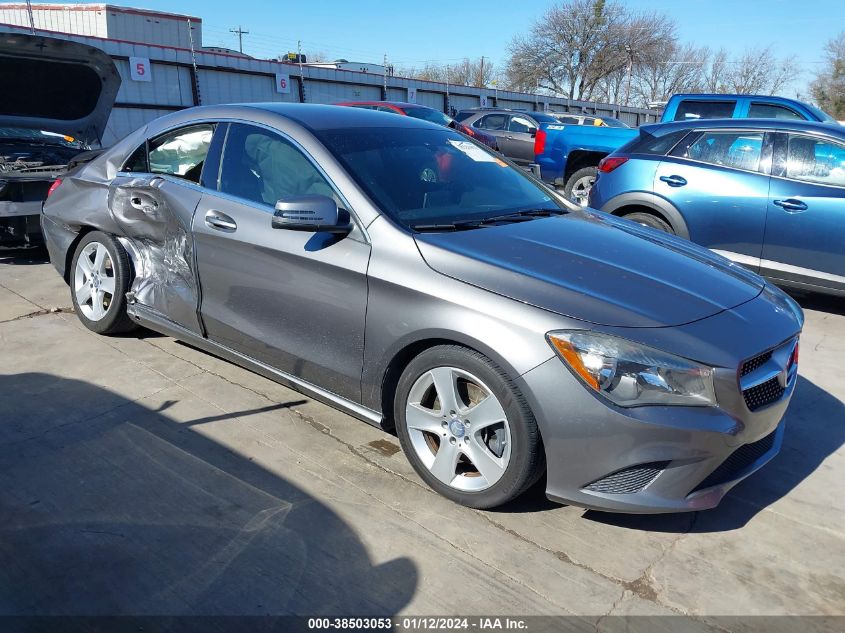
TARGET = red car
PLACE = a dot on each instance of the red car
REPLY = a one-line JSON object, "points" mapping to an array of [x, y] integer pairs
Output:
{"points": [[427, 114]]}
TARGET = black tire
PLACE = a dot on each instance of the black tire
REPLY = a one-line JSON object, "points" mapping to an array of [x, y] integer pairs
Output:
{"points": [[527, 457], [115, 319], [584, 172], [650, 220]]}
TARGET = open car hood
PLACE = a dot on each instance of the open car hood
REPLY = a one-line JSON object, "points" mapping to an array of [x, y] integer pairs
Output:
{"points": [[594, 268], [56, 85]]}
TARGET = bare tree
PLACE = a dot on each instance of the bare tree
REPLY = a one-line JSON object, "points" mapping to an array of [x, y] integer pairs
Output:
{"points": [[673, 69], [828, 88], [760, 71], [478, 73], [578, 44]]}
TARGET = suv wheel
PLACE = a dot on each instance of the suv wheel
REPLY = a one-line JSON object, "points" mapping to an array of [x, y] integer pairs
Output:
{"points": [[99, 279], [578, 186], [466, 429], [650, 220]]}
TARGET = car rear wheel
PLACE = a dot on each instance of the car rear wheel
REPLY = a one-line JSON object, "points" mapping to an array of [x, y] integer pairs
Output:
{"points": [[466, 429], [100, 276], [579, 184], [650, 220]]}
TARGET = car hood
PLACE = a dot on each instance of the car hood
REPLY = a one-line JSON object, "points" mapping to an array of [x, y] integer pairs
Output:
{"points": [[56, 85], [594, 268]]}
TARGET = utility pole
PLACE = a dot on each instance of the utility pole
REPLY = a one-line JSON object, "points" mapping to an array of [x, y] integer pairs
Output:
{"points": [[301, 72], [195, 72], [384, 89], [630, 70], [240, 33], [481, 73], [31, 18]]}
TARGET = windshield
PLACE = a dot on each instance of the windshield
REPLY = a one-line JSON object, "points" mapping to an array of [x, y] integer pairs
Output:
{"points": [[611, 122], [432, 177], [821, 114], [428, 114]]}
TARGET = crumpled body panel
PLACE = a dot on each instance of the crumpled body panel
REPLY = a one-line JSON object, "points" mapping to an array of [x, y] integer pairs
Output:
{"points": [[155, 217]]}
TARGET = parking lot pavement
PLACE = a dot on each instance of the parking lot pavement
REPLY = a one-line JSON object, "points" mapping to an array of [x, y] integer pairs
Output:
{"points": [[141, 476]]}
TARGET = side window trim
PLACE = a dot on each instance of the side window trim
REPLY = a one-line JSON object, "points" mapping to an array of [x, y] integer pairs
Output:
{"points": [[214, 158]]}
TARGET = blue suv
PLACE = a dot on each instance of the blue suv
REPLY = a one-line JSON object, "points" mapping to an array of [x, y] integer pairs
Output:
{"points": [[766, 193]]}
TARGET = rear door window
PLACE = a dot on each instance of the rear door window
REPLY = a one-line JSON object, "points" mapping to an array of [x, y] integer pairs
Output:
{"points": [[693, 110], [492, 122], [729, 148], [815, 160], [521, 124], [181, 152], [771, 111]]}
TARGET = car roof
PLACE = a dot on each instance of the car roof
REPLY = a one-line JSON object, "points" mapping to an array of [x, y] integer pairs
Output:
{"points": [[312, 116], [712, 96], [748, 124]]}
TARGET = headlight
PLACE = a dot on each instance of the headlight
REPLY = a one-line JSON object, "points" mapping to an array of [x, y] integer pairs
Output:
{"points": [[631, 375]]}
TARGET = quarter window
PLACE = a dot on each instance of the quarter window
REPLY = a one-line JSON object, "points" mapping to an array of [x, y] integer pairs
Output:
{"points": [[693, 110], [181, 153], [815, 160], [492, 122], [261, 166], [769, 111], [739, 150]]}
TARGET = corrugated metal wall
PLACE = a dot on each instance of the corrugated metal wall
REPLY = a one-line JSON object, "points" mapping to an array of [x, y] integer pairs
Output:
{"points": [[224, 78], [65, 19]]}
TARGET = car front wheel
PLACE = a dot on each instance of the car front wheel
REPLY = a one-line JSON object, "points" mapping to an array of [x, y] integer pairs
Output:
{"points": [[100, 276], [466, 429]]}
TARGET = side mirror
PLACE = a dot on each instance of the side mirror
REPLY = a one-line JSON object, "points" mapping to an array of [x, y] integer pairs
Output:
{"points": [[315, 214]]}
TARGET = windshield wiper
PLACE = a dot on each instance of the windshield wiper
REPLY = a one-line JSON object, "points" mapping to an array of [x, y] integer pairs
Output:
{"points": [[522, 215]]}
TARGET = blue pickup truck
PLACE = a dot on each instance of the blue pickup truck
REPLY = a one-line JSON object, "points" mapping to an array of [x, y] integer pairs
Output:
{"points": [[569, 155]]}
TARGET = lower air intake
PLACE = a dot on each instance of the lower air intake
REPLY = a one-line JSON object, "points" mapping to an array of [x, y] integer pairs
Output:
{"points": [[628, 480], [738, 461]]}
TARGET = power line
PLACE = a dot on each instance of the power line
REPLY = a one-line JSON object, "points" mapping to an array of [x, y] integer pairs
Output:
{"points": [[240, 33]]}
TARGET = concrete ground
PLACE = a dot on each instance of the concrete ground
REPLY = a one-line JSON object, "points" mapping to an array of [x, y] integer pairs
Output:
{"points": [[141, 476]]}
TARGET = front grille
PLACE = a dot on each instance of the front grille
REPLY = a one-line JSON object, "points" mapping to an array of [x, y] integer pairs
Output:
{"points": [[738, 461], [763, 394], [758, 361], [628, 480]]}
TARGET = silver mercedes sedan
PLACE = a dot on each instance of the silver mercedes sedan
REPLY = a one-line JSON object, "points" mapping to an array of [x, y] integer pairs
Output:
{"points": [[417, 280]]}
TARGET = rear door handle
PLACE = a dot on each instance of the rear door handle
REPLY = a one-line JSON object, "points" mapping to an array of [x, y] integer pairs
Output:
{"points": [[791, 205], [674, 181], [220, 221]]}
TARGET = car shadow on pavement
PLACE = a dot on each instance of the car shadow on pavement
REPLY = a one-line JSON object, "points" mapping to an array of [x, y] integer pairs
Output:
{"points": [[128, 512], [815, 428], [822, 303]]}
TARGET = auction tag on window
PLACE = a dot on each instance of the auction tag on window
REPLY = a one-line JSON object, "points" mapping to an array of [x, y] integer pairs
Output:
{"points": [[139, 69], [474, 152]]}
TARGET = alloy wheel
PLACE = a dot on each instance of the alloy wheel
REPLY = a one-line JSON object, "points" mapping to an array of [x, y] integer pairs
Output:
{"points": [[581, 190], [94, 280], [458, 429]]}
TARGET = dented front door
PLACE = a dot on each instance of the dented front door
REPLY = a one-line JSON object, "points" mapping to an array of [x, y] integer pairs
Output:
{"points": [[155, 213]]}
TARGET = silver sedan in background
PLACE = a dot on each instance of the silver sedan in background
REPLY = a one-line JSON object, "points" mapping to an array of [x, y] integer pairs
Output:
{"points": [[409, 276]]}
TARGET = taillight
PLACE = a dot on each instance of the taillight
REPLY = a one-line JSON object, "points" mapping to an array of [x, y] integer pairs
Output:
{"points": [[609, 163], [54, 186], [540, 142]]}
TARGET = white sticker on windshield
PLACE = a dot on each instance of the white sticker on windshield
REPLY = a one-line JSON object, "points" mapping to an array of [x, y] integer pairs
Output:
{"points": [[474, 152]]}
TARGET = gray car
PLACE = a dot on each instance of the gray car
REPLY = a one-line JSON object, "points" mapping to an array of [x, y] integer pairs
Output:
{"points": [[411, 277], [515, 130]]}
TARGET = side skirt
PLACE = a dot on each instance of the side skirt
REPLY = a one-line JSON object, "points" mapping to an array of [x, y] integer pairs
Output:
{"points": [[160, 323]]}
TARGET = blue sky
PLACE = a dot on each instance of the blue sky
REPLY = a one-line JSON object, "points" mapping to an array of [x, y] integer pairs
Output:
{"points": [[412, 33]]}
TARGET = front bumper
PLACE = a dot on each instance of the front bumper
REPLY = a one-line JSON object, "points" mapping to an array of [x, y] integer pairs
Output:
{"points": [[656, 459]]}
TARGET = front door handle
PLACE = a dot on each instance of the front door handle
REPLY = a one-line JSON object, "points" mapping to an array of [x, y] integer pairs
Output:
{"points": [[791, 205], [220, 221], [674, 181]]}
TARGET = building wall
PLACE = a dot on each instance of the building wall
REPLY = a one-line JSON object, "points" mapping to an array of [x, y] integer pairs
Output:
{"points": [[222, 78]]}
